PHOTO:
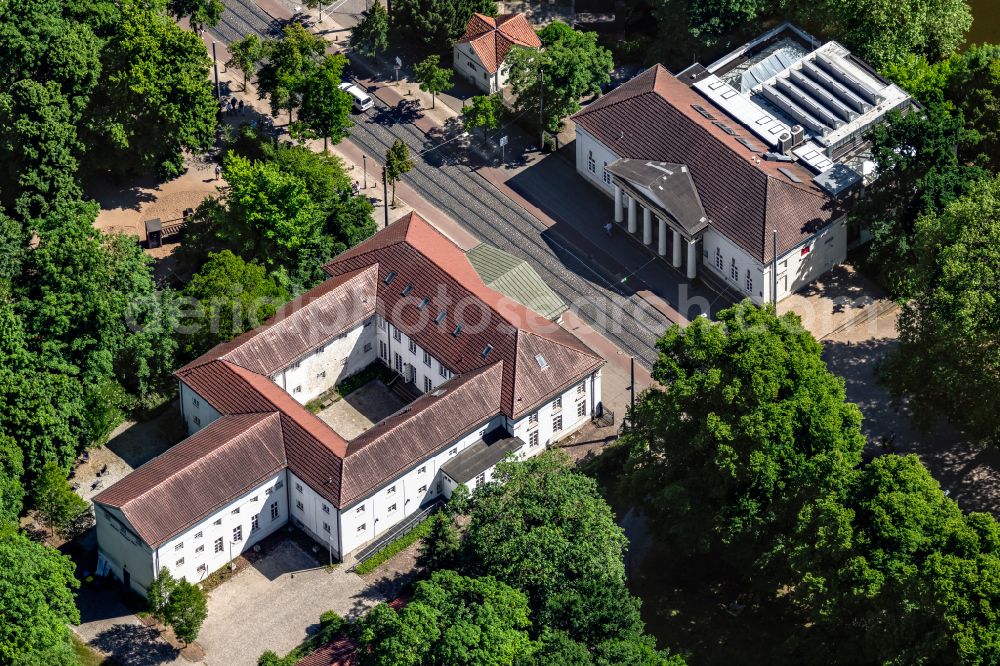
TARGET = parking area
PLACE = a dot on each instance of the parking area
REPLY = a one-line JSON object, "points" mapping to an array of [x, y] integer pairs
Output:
{"points": [[276, 603]]}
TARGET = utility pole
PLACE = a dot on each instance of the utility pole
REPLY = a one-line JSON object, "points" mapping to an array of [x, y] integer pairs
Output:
{"points": [[541, 107], [385, 195], [364, 161], [632, 383], [215, 61]]}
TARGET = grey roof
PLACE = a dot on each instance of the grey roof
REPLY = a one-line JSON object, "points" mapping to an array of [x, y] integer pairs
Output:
{"points": [[837, 178], [482, 455], [667, 186], [515, 278]]}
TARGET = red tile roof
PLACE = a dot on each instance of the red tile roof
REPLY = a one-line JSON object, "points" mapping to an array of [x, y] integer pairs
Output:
{"points": [[339, 652], [493, 38], [223, 460], [745, 196]]}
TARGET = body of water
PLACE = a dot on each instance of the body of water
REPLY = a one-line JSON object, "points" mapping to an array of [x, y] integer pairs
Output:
{"points": [[986, 22]]}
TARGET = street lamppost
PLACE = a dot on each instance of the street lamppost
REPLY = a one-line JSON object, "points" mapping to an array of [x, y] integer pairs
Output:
{"points": [[385, 195], [364, 160], [215, 61]]}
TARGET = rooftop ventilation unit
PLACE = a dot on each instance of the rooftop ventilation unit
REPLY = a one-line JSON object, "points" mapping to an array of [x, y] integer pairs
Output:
{"points": [[785, 142], [836, 69], [798, 134]]}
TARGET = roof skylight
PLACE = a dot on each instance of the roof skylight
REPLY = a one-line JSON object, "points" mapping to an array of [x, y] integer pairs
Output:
{"points": [[406, 290], [540, 360], [390, 277], [440, 317], [486, 351]]}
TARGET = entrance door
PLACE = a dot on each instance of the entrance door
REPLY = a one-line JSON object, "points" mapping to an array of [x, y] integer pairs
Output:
{"points": [[398, 362], [411, 373]]}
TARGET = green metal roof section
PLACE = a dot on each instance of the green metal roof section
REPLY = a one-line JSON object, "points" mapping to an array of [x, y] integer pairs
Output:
{"points": [[516, 279]]}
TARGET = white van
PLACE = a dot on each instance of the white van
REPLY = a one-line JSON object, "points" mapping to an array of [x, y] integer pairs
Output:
{"points": [[362, 100]]}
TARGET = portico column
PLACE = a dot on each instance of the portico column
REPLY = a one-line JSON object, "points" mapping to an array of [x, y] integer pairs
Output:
{"points": [[647, 226], [692, 267], [677, 249], [662, 237], [631, 215], [618, 204]]}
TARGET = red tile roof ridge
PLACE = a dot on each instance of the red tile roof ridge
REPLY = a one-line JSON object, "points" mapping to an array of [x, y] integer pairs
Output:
{"points": [[225, 350], [567, 340], [293, 409]]}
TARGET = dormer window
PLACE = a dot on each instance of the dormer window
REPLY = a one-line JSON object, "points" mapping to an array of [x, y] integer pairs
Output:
{"points": [[390, 277]]}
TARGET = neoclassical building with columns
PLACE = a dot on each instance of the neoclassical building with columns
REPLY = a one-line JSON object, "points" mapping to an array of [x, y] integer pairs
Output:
{"points": [[465, 376], [745, 168]]}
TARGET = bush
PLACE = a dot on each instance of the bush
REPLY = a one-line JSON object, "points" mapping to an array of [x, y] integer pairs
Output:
{"points": [[395, 547]]}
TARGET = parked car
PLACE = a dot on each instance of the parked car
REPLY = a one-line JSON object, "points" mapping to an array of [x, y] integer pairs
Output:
{"points": [[362, 100]]}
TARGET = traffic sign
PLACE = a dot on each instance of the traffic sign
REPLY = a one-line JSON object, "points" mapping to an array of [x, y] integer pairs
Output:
{"points": [[503, 141], [399, 63]]}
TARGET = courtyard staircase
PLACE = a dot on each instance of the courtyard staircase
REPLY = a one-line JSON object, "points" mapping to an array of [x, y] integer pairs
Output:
{"points": [[406, 391]]}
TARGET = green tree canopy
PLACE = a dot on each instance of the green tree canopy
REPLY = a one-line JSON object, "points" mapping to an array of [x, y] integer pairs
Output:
{"points": [[228, 296], [326, 109], [451, 619], [893, 572], [245, 54], [186, 611], [708, 20], [56, 503], [201, 12], [570, 66], [371, 35], [397, 163], [11, 472], [484, 112], [36, 603], [288, 63], [436, 24], [748, 427], [974, 87], [432, 77], [947, 363]]}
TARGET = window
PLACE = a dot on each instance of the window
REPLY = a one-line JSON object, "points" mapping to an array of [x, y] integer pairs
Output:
{"points": [[179, 563], [480, 480], [202, 568], [406, 290], [422, 489], [413, 347], [581, 388], [218, 545], [296, 365], [396, 335], [390, 277], [718, 259], [733, 271], [362, 527], [533, 419], [197, 421], [199, 535], [557, 423], [607, 174], [235, 511], [268, 491], [397, 360], [237, 533], [591, 164], [298, 487], [428, 385], [423, 303], [581, 409], [481, 433], [255, 498], [382, 350], [533, 438], [200, 549], [422, 469], [443, 371], [440, 317], [453, 452], [749, 283], [326, 509], [360, 509], [218, 522], [274, 511], [326, 527], [557, 404], [254, 524], [299, 505], [427, 359], [179, 546], [321, 349], [486, 351], [391, 490], [392, 507], [321, 375], [368, 347], [196, 402]]}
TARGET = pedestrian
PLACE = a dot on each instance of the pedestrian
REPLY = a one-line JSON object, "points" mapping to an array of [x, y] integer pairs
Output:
{"points": [[241, 107], [356, 187], [607, 229], [218, 172], [232, 107]]}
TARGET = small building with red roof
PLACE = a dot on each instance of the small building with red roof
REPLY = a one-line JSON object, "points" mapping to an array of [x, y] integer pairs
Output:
{"points": [[480, 53]]}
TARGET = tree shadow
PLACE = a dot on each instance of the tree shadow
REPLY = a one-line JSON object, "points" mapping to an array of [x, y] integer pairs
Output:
{"points": [[135, 645]]}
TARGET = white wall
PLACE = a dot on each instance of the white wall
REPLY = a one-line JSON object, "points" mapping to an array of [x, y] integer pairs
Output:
{"points": [[470, 67], [196, 410], [122, 548], [315, 512], [546, 412], [585, 145], [422, 370], [327, 364], [418, 485], [198, 552], [729, 251], [827, 248]]}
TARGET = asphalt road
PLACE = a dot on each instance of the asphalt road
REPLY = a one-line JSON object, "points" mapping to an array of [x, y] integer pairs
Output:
{"points": [[445, 179]]}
